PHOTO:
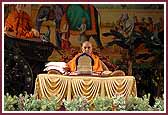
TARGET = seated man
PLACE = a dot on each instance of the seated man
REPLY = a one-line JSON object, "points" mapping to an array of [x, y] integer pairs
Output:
{"points": [[86, 48], [98, 67], [18, 24]]}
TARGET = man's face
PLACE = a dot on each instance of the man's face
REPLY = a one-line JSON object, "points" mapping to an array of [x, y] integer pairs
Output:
{"points": [[87, 48], [20, 7]]}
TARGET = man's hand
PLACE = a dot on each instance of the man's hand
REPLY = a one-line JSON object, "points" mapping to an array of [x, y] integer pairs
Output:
{"points": [[67, 69], [6, 29], [9, 33], [35, 32], [106, 73]]}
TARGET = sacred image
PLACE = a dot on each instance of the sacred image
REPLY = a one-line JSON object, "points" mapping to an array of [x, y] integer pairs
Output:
{"points": [[83, 57]]}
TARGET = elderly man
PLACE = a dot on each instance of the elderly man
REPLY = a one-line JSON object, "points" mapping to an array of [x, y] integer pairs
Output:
{"points": [[18, 24], [98, 67], [71, 66], [86, 48]]}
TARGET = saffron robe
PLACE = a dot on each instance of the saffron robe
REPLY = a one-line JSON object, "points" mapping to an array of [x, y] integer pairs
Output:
{"points": [[20, 24], [97, 67]]}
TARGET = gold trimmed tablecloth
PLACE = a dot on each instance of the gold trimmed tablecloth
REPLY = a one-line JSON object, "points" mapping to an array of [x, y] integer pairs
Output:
{"points": [[67, 87]]}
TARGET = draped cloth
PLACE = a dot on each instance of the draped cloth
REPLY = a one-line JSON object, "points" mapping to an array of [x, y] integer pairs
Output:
{"points": [[68, 87]]}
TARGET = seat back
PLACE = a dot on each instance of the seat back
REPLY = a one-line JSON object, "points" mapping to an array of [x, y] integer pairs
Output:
{"points": [[84, 64]]}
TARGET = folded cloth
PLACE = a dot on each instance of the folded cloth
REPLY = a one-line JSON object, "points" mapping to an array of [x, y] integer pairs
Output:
{"points": [[59, 66]]}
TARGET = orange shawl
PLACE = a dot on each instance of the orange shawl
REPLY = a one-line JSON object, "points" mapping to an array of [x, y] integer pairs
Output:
{"points": [[20, 24], [97, 67]]}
